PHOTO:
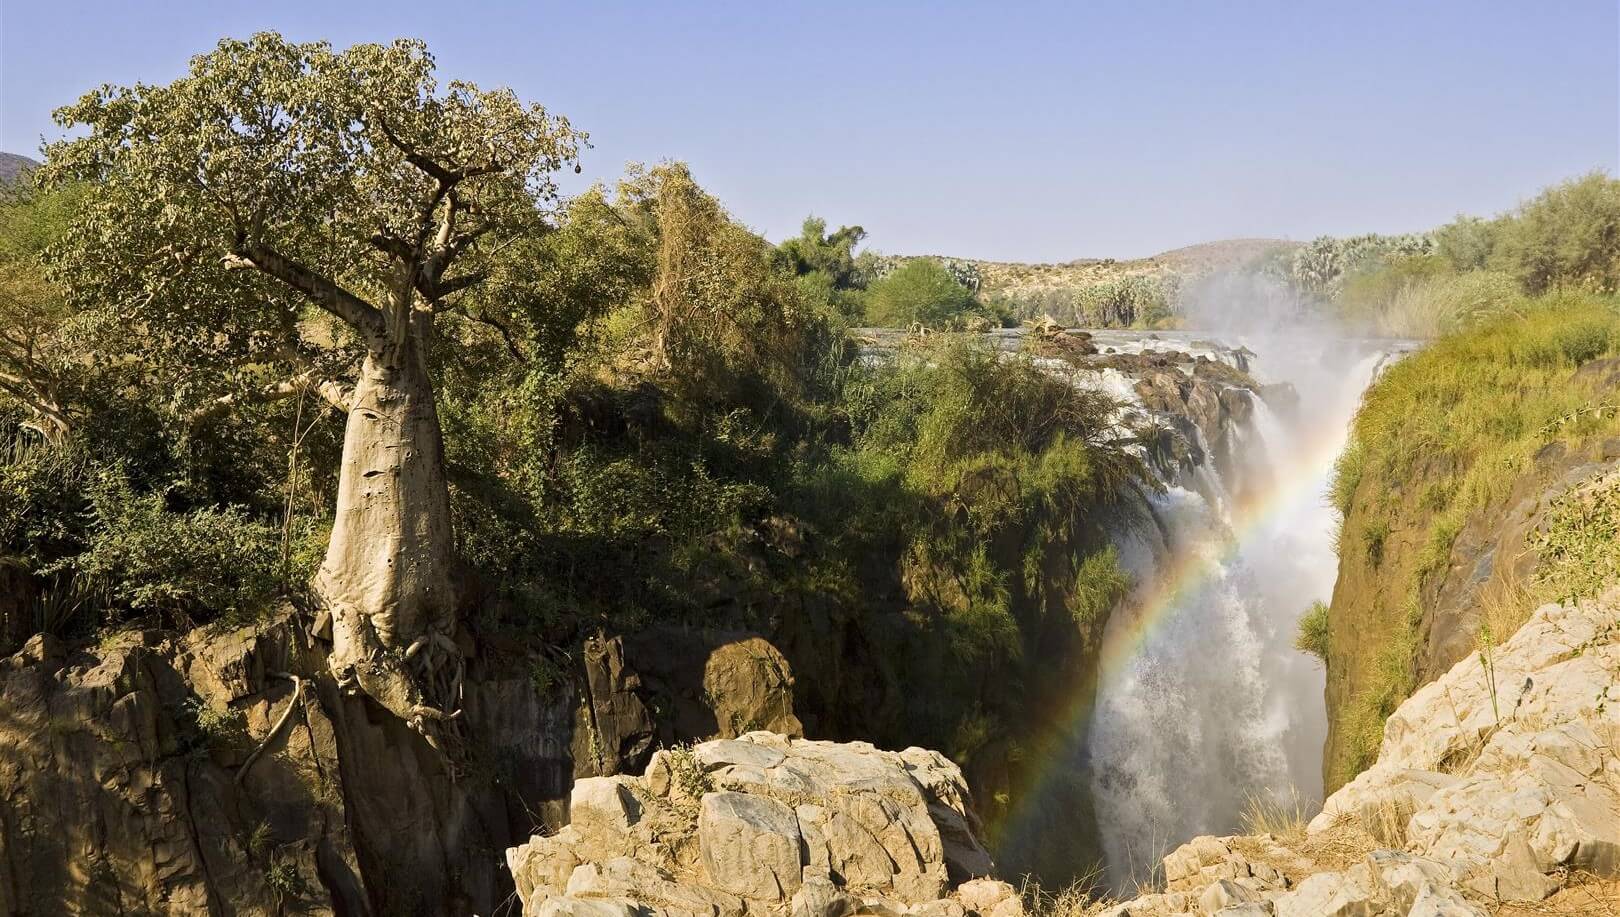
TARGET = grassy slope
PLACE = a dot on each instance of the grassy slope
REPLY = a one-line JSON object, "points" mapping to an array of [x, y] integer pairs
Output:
{"points": [[1442, 441]]}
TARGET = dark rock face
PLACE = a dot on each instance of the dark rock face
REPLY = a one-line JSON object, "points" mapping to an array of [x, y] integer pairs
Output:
{"points": [[1493, 549], [18, 593], [131, 784], [1206, 407], [616, 734], [117, 769]]}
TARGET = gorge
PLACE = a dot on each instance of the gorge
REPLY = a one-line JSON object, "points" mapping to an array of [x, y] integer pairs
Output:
{"points": [[393, 524], [1182, 737]]}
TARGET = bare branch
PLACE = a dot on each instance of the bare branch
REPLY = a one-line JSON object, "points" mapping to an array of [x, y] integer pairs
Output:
{"points": [[361, 315], [331, 391], [505, 333]]}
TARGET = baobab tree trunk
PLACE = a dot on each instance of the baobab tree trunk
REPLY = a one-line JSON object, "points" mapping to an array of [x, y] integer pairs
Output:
{"points": [[387, 578]]}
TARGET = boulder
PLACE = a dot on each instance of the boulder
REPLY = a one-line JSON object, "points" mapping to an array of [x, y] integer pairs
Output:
{"points": [[1351, 893], [750, 845], [765, 823], [1510, 788], [819, 896], [1225, 893]]}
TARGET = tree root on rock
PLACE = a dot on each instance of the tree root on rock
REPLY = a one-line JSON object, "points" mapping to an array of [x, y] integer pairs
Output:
{"points": [[421, 684], [275, 730]]}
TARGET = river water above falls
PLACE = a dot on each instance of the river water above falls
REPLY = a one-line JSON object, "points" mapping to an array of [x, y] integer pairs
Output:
{"points": [[1203, 702]]}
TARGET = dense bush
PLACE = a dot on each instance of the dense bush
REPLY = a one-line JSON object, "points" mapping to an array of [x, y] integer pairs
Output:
{"points": [[1567, 237], [921, 291], [185, 566], [1314, 631]]}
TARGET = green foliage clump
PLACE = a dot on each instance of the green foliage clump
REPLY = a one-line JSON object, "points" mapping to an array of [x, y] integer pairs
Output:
{"points": [[688, 772], [217, 727], [213, 560], [1100, 585], [992, 488], [1314, 632], [815, 251], [921, 291], [1568, 237], [1466, 243], [1322, 267], [1132, 301], [1578, 547]]}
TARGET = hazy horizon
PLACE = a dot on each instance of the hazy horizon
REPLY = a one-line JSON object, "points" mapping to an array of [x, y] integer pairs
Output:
{"points": [[1037, 134]]}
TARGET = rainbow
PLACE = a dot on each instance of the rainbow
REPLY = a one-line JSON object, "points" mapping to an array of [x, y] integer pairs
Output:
{"points": [[1184, 576]]}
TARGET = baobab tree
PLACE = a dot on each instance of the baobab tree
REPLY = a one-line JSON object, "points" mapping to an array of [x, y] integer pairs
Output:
{"points": [[282, 207]]}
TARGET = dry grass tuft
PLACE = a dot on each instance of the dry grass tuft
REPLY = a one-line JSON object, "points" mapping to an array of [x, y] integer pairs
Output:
{"points": [[1081, 898], [1583, 895], [1282, 818]]}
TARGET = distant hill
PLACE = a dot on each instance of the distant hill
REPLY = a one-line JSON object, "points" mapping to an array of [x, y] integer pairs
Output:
{"points": [[1104, 290], [13, 165], [1011, 277]]}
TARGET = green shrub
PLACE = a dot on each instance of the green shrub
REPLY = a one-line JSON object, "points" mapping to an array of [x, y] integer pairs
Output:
{"points": [[200, 563], [42, 502], [1568, 237], [1314, 631], [1100, 585], [920, 291], [1466, 243], [1579, 544]]}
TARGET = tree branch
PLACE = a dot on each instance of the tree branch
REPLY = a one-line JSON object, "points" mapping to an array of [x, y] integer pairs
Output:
{"points": [[456, 285], [38, 396], [445, 177], [333, 392], [505, 332], [390, 245], [361, 315]]}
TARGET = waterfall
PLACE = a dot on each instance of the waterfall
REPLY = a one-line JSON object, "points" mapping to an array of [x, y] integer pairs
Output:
{"points": [[1203, 702]]}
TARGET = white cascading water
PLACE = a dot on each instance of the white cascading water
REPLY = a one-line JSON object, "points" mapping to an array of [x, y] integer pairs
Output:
{"points": [[1203, 702]]}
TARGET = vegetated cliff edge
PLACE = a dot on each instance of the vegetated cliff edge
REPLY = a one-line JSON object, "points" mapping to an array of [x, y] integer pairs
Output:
{"points": [[1476, 485]]}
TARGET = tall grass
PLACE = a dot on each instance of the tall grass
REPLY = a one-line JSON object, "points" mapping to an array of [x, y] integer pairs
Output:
{"points": [[1443, 435]]}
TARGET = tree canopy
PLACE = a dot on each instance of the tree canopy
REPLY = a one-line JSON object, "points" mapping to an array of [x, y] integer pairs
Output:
{"points": [[921, 290], [276, 176]]}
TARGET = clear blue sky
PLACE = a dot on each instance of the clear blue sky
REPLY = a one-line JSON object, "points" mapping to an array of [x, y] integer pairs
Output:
{"points": [[1030, 131]]}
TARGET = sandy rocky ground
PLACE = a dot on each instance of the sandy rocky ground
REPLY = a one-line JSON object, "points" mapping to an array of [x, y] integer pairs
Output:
{"points": [[1497, 791]]}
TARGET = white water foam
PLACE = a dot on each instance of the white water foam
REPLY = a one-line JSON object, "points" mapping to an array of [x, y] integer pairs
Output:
{"points": [[1215, 705]]}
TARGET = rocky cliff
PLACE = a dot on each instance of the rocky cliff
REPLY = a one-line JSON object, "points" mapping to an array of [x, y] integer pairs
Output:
{"points": [[1496, 791], [221, 772]]}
